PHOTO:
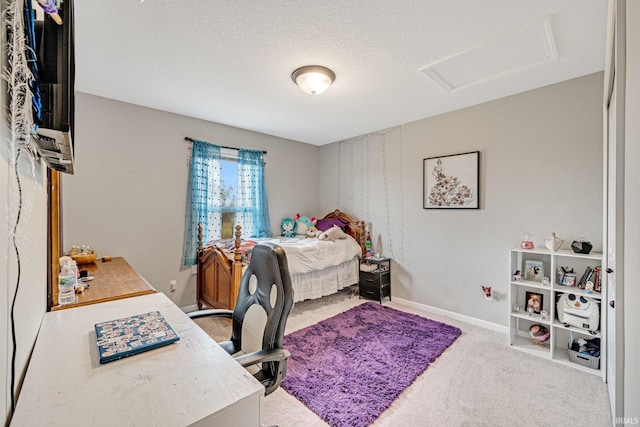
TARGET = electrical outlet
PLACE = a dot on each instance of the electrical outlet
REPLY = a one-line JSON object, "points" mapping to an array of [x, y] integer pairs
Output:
{"points": [[172, 286]]}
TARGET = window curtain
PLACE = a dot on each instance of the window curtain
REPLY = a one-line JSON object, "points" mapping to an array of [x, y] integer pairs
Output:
{"points": [[203, 198], [252, 206]]}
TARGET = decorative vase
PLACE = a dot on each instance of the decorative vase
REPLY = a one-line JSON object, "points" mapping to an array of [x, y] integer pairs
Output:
{"points": [[581, 247], [553, 243]]}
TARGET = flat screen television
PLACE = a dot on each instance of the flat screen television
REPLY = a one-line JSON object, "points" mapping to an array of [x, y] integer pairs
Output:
{"points": [[56, 81]]}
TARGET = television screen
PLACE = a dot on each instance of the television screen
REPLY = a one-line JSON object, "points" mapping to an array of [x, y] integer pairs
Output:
{"points": [[56, 76]]}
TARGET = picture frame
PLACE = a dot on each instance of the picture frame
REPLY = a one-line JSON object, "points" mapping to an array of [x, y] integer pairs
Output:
{"points": [[533, 271], [452, 181], [534, 300]]}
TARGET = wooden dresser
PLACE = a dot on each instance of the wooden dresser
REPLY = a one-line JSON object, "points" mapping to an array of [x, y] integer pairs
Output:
{"points": [[113, 280]]}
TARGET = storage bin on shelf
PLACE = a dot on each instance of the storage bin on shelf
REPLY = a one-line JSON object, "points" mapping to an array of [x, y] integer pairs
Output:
{"points": [[585, 352], [584, 359]]}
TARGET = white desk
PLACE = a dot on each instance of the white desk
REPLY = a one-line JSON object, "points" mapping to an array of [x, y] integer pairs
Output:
{"points": [[191, 382]]}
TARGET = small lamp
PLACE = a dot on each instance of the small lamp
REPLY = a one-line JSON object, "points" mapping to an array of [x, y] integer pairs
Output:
{"points": [[313, 79]]}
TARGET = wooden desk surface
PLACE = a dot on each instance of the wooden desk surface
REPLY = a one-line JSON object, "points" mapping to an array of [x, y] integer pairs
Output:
{"points": [[113, 280], [192, 382]]}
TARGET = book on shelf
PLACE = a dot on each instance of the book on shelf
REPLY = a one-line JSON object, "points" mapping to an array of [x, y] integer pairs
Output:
{"points": [[592, 275], [585, 277], [132, 335], [597, 283]]}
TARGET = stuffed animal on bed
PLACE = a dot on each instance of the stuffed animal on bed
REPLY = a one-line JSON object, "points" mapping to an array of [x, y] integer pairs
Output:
{"points": [[303, 223], [288, 227], [332, 234], [313, 231]]}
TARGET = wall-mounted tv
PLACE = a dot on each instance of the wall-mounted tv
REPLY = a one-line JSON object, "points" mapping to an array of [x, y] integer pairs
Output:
{"points": [[56, 77]]}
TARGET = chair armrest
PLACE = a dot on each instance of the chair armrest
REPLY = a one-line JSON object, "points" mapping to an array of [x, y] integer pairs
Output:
{"points": [[274, 355], [214, 312]]}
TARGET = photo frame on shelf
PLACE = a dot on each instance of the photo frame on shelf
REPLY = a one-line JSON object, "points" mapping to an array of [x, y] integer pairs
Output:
{"points": [[534, 271], [452, 181], [533, 302]]}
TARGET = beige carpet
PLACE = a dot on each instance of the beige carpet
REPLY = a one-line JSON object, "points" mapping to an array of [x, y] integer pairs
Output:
{"points": [[478, 381]]}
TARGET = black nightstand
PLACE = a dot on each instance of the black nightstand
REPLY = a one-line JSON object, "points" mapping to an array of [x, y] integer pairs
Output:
{"points": [[375, 279]]}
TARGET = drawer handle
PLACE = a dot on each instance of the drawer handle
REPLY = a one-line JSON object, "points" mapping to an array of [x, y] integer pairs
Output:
{"points": [[369, 280]]}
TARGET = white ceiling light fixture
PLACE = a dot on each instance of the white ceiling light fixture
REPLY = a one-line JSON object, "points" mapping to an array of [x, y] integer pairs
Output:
{"points": [[313, 79]]}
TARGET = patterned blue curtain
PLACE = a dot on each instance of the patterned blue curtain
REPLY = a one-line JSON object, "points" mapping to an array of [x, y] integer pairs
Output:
{"points": [[251, 203], [203, 198]]}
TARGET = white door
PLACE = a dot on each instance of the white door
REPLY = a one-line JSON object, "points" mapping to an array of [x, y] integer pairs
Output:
{"points": [[614, 206], [613, 267]]}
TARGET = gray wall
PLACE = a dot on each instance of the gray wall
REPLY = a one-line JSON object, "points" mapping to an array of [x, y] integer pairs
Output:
{"points": [[128, 194], [541, 172]]}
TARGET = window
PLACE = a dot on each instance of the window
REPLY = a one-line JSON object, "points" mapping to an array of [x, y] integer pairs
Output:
{"points": [[228, 192], [226, 187]]}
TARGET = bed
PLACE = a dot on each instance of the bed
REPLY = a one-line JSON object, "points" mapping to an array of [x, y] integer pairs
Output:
{"points": [[315, 267]]}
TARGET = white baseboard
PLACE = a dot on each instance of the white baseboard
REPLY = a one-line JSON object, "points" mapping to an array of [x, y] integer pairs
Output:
{"points": [[429, 309], [450, 314]]}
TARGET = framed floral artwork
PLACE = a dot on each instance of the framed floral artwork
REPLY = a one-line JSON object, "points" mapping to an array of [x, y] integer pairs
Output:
{"points": [[452, 182]]}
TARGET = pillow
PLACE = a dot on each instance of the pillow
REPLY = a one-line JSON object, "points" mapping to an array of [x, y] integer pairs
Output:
{"points": [[332, 234], [326, 223]]}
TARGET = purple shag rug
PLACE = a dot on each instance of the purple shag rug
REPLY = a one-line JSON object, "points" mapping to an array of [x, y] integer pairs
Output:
{"points": [[349, 368]]}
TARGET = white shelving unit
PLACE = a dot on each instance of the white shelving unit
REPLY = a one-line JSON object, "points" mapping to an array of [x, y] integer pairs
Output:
{"points": [[556, 348]]}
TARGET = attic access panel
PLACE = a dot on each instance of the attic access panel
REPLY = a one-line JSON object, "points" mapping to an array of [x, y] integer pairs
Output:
{"points": [[518, 50]]}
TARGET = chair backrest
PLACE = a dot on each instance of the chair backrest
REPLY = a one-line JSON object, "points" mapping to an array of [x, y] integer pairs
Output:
{"points": [[265, 299]]}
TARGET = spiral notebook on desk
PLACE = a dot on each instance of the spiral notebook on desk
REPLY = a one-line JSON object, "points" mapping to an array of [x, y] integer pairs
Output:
{"points": [[132, 335]]}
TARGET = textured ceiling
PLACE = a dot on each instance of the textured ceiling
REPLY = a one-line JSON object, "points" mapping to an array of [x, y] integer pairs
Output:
{"points": [[231, 62]]}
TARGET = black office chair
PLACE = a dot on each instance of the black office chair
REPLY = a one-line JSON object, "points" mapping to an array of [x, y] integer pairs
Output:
{"points": [[265, 299]]}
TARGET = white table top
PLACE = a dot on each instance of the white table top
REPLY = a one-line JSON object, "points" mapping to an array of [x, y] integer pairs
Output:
{"points": [[191, 382]]}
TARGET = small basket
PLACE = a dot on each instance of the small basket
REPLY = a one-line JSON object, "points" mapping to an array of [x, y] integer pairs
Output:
{"points": [[84, 258], [583, 359], [567, 279]]}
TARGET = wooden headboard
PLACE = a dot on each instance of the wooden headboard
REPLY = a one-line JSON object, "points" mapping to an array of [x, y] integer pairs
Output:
{"points": [[354, 228]]}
